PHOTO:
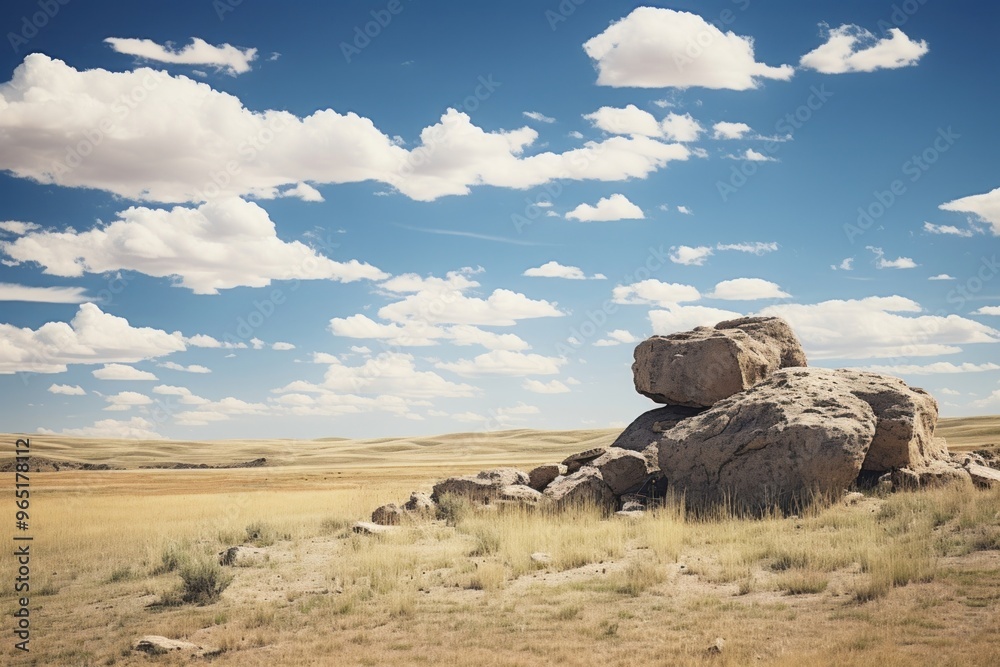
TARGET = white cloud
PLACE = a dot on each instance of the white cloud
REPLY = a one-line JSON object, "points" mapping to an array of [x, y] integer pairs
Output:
{"points": [[410, 334], [986, 207], [987, 310], [931, 228], [183, 394], [950, 392], [466, 334], [302, 191], [539, 387], [221, 410], [539, 116], [227, 58], [201, 340], [617, 337], [615, 207], [882, 263], [126, 400], [682, 128], [193, 368], [388, 373], [628, 120], [18, 228], [755, 248], [198, 133], [932, 369], [690, 256], [847, 264], [650, 48], [91, 337], [726, 130], [12, 292], [257, 343], [684, 209], [67, 390], [992, 399], [682, 318], [655, 292], [554, 269], [752, 156], [504, 362], [136, 428], [282, 346], [942, 276], [121, 372], [851, 48], [360, 349], [222, 244], [878, 327], [747, 289]]}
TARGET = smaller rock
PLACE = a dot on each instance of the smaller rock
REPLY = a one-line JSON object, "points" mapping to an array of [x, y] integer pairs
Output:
{"points": [[984, 476], [543, 475], [388, 515], [717, 646], [622, 469], [369, 528], [520, 493], [501, 477], [157, 645], [541, 557], [475, 489], [240, 556], [630, 514], [936, 473], [419, 503], [576, 461], [583, 486], [853, 498], [632, 506]]}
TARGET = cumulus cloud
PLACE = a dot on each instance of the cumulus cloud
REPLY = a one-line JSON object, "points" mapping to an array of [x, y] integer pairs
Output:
{"points": [[747, 289], [878, 327], [208, 412], [752, 156], [689, 256], [136, 428], [182, 395], [91, 337], [207, 144], [282, 346], [17, 227], [222, 244], [681, 318], [987, 310], [193, 368], [121, 372], [539, 387], [126, 400], [851, 48], [681, 127], [684, 209], [649, 48], [726, 130], [615, 207], [616, 337], [986, 208], [627, 120], [504, 362], [654, 291], [67, 390], [882, 263], [755, 248], [12, 292], [942, 276], [227, 58], [554, 269], [847, 264]]}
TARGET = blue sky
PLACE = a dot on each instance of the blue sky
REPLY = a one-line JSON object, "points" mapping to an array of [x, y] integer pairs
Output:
{"points": [[228, 219]]}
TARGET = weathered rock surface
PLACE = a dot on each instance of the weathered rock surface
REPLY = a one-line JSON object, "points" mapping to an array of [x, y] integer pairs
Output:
{"points": [[698, 368], [520, 493], [576, 461], [774, 444], [158, 645], [541, 476], [622, 469], [649, 426], [504, 476], [474, 488], [369, 528], [388, 515], [581, 487], [419, 503], [983, 475]]}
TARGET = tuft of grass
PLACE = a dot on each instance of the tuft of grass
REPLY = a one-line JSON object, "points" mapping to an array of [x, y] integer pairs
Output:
{"points": [[453, 509], [802, 582], [260, 534], [639, 576], [170, 559], [489, 576], [203, 581], [121, 573]]}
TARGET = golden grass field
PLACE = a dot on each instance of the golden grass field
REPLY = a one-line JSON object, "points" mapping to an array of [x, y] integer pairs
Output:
{"points": [[907, 579]]}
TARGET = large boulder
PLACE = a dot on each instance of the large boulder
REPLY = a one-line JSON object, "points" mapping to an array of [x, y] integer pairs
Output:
{"points": [[504, 476], [388, 515], [775, 444], [574, 462], [541, 476], [649, 426], [698, 368], [622, 470], [585, 486], [474, 488]]}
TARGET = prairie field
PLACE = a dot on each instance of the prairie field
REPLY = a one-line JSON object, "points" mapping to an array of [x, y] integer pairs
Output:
{"points": [[911, 578]]}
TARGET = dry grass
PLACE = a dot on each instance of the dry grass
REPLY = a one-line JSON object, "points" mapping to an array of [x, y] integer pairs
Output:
{"points": [[911, 579]]}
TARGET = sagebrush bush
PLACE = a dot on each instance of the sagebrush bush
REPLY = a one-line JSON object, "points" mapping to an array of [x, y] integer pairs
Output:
{"points": [[203, 581]]}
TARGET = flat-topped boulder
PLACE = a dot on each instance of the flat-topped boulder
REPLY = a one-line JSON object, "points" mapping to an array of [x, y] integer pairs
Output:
{"points": [[700, 367], [647, 428]]}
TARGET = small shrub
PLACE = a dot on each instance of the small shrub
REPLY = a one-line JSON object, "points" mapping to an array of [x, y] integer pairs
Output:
{"points": [[203, 581], [171, 559], [802, 582], [453, 509], [260, 534], [123, 573]]}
